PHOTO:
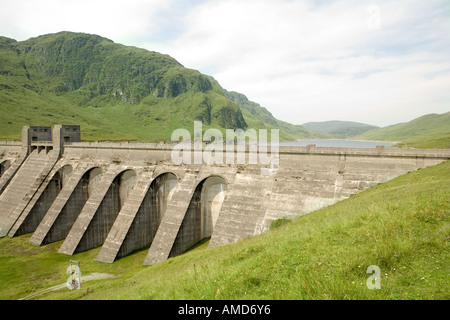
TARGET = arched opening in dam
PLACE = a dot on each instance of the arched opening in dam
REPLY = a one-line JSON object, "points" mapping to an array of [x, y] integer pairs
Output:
{"points": [[107, 212], [202, 213], [66, 218], [151, 211], [4, 165], [45, 201]]}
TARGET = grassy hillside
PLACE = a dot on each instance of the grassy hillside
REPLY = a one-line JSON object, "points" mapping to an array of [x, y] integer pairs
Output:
{"points": [[339, 129], [114, 92], [428, 131], [401, 226]]}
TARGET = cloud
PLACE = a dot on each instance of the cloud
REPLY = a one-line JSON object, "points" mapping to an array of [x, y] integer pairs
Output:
{"points": [[118, 20]]}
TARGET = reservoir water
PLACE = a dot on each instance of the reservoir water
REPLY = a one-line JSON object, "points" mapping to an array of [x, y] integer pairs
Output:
{"points": [[337, 143]]}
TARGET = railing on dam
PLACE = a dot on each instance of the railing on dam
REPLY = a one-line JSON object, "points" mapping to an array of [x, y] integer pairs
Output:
{"points": [[311, 149], [380, 150], [388, 151]]}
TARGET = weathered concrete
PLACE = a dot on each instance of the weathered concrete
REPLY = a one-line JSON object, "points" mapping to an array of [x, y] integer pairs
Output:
{"points": [[101, 209], [12, 157], [172, 220], [19, 192], [64, 211], [130, 196], [244, 206], [201, 215], [21, 182], [181, 226], [139, 219], [42, 200], [15, 153], [4, 166]]}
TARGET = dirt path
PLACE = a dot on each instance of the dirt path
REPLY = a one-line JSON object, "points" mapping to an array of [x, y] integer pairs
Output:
{"points": [[90, 277]]}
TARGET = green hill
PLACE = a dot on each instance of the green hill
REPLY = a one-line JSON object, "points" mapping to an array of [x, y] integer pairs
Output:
{"points": [[401, 226], [114, 92], [339, 129], [428, 131]]}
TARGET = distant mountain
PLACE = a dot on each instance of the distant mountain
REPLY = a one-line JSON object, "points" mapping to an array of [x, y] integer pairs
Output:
{"points": [[428, 131], [339, 129], [115, 92]]}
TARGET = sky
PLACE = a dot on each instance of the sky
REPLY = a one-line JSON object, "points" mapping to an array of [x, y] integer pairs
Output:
{"points": [[376, 62]]}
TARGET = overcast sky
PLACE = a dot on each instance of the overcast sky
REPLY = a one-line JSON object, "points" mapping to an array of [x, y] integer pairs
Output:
{"points": [[377, 62]]}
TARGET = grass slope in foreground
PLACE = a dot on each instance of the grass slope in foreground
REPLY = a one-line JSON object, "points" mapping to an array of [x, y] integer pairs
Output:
{"points": [[401, 226]]}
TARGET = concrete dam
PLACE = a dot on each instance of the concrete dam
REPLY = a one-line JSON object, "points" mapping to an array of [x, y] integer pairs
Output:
{"points": [[125, 197]]}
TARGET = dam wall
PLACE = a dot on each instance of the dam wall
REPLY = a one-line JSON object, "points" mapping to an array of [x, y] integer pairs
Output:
{"points": [[125, 197]]}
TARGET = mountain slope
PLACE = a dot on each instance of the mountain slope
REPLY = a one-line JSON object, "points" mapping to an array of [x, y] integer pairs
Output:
{"points": [[114, 92], [339, 129], [431, 130]]}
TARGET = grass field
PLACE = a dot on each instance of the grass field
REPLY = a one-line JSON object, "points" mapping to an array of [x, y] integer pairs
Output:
{"points": [[401, 226]]}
